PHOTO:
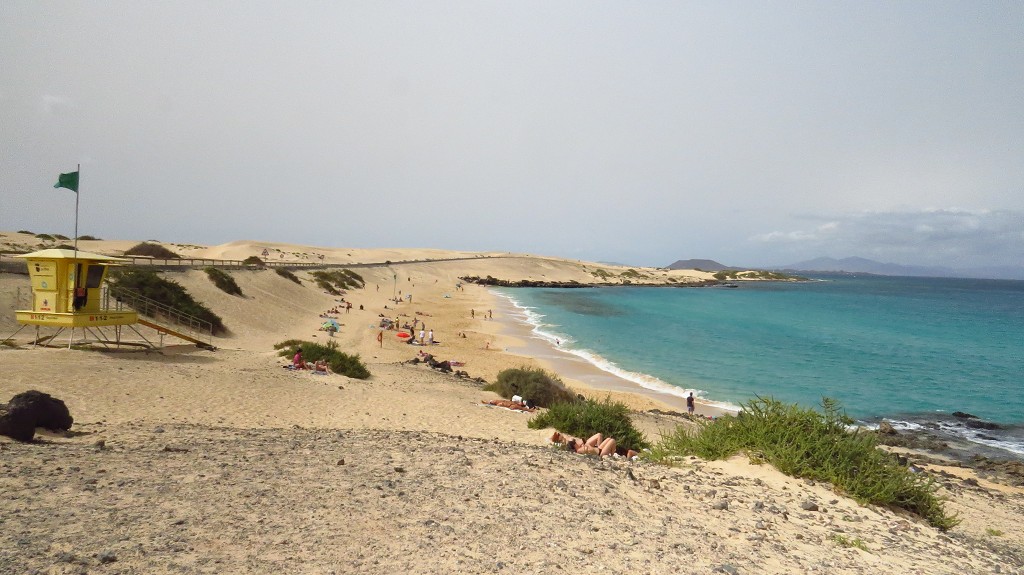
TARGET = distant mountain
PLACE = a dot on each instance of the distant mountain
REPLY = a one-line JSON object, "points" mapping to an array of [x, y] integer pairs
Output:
{"points": [[866, 266], [703, 265]]}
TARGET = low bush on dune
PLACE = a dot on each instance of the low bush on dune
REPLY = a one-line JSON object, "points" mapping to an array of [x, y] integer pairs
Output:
{"points": [[339, 362], [287, 274], [223, 281], [355, 278], [325, 285], [170, 293], [818, 446], [254, 261], [538, 386], [334, 281], [89, 238], [585, 418], [149, 250]]}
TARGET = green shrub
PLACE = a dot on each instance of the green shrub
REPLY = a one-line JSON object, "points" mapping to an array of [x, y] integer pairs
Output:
{"points": [[45, 237], [287, 275], [538, 386], [63, 247], [25, 232], [223, 281], [253, 261], [88, 238], [339, 362], [151, 250], [819, 446], [326, 286], [170, 293], [847, 542], [357, 280], [60, 237], [334, 281], [585, 418]]}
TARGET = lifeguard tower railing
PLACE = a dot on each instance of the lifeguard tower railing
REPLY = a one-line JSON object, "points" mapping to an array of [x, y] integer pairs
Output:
{"points": [[119, 298]]}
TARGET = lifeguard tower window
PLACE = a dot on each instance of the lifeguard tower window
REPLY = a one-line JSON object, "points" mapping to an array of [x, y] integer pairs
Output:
{"points": [[95, 276]]}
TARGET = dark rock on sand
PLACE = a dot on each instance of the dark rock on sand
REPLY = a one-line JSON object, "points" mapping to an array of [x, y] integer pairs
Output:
{"points": [[1008, 471], [17, 424], [809, 505], [50, 412], [31, 409]]}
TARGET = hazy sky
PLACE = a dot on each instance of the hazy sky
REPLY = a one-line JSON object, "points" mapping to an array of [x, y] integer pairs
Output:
{"points": [[754, 133]]}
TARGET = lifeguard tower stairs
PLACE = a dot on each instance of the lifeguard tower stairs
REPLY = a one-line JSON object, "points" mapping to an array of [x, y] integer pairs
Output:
{"points": [[163, 319]]}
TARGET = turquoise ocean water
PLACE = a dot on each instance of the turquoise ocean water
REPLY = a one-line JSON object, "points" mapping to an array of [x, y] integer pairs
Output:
{"points": [[910, 350]]}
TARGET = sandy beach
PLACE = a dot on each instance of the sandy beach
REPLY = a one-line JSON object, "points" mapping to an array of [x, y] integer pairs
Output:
{"points": [[183, 460]]}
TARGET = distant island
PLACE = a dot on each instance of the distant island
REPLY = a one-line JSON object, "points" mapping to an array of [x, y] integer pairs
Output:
{"points": [[860, 265], [864, 265]]}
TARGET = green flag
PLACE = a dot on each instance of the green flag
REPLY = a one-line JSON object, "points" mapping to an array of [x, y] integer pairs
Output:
{"points": [[69, 181]]}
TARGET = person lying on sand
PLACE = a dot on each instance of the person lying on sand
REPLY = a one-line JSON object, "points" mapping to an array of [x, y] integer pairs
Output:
{"points": [[508, 404], [321, 367], [595, 445]]}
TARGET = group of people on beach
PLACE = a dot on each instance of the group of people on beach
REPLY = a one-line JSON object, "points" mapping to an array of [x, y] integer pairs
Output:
{"points": [[595, 445], [319, 366]]}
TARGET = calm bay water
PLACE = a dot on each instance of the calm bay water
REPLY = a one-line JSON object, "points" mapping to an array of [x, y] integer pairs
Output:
{"points": [[911, 350]]}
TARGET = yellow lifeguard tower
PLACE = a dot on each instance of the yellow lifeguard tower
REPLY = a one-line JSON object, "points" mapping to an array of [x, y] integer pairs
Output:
{"points": [[67, 292]]}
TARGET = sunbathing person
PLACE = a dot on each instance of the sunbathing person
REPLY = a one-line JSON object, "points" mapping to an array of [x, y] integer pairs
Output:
{"points": [[321, 367], [595, 445], [509, 404]]}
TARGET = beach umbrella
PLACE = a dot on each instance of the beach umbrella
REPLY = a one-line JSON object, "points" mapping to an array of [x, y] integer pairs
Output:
{"points": [[332, 322]]}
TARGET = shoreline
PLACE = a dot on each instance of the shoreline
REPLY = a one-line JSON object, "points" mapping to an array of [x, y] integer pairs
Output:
{"points": [[580, 373]]}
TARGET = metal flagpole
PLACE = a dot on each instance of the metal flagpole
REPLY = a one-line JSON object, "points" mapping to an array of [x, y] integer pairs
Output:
{"points": [[78, 266], [76, 207]]}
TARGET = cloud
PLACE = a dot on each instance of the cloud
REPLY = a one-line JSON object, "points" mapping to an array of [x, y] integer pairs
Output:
{"points": [[953, 236], [53, 105], [798, 236]]}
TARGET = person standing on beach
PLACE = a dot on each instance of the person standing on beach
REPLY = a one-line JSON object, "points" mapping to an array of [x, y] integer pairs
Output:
{"points": [[430, 338], [689, 403], [421, 335]]}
